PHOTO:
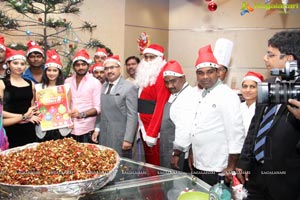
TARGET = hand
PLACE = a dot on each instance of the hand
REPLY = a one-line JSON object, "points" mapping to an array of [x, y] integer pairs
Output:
{"points": [[174, 162], [149, 144], [95, 136], [240, 175], [75, 114], [126, 145], [35, 119], [31, 111], [295, 108], [228, 174]]}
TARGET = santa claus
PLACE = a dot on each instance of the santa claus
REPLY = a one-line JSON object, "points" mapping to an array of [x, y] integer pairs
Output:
{"points": [[152, 97]]}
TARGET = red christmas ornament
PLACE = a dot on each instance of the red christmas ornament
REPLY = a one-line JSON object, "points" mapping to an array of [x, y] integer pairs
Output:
{"points": [[70, 46], [64, 19], [212, 6], [40, 19]]}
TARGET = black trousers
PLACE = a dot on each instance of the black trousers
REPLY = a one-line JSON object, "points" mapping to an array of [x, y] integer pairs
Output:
{"points": [[85, 138], [259, 184], [210, 178]]}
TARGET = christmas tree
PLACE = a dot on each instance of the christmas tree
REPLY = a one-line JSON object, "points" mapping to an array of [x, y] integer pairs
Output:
{"points": [[40, 19]]}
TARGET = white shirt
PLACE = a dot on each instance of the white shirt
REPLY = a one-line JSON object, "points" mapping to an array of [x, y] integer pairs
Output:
{"points": [[247, 114], [217, 129], [182, 113]]}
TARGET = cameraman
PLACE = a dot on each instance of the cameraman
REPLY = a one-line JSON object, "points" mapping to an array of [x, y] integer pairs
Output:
{"points": [[270, 158]]}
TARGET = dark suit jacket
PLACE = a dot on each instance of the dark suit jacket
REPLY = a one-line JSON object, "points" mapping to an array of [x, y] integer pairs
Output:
{"points": [[282, 153], [118, 119]]}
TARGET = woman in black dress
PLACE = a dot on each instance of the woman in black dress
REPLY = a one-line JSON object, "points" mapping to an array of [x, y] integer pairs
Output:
{"points": [[18, 99]]}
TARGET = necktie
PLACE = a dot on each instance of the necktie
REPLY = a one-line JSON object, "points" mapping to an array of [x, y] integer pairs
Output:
{"points": [[109, 88], [205, 92], [262, 132]]}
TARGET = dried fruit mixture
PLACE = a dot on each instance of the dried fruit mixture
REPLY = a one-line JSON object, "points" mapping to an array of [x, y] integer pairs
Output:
{"points": [[54, 162]]}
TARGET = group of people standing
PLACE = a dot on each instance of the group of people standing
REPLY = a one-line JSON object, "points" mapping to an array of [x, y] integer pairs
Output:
{"points": [[203, 129]]}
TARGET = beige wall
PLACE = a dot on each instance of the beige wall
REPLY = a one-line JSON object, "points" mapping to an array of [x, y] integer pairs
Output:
{"points": [[147, 16], [182, 27], [193, 26]]}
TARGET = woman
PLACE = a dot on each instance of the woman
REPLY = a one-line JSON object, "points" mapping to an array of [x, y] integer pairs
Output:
{"points": [[249, 93], [19, 111], [52, 76]]}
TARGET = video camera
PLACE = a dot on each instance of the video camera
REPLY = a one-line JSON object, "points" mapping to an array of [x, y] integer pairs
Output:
{"points": [[287, 88]]}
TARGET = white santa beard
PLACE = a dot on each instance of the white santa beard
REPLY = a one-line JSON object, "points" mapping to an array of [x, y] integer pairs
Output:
{"points": [[147, 72]]}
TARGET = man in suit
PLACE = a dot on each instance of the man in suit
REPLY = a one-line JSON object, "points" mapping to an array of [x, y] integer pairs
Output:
{"points": [[117, 123], [270, 158]]}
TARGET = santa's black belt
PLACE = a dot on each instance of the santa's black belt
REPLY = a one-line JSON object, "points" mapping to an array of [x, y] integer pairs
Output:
{"points": [[146, 106]]}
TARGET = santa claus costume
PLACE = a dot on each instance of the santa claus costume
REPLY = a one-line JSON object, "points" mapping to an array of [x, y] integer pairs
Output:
{"points": [[153, 95]]}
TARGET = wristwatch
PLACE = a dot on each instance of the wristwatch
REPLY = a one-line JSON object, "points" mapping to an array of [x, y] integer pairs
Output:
{"points": [[82, 115], [24, 118]]}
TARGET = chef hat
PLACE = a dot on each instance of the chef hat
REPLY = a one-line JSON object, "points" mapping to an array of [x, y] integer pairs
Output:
{"points": [[101, 52], [155, 49], [206, 58], [53, 59], [33, 47], [114, 58], [173, 68], [82, 55], [2, 45], [222, 51], [253, 76], [12, 54], [97, 67]]}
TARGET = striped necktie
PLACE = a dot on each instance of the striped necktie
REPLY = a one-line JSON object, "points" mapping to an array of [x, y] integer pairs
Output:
{"points": [[262, 132]]}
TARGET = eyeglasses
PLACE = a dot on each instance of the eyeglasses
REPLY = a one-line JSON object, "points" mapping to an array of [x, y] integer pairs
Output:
{"points": [[271, 55], [222, 69], [151, 57], [111, 67]]}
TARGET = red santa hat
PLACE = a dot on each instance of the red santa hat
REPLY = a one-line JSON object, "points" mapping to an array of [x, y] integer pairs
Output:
{"points": [[173, 68], [206, 58], [253, 76], [12, 54], [101, 52], [222, 51], [97, 67], [82, 55], [33, 47], [2, 45], [53, 59], [155, 49], [114, 58]]}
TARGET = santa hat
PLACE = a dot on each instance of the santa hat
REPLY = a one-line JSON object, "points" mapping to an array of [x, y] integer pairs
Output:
{"points": [[82, 55], [222, 51], [155, 49], [53, 59], [253, 76], [2, 45], [97, 67], [12, 54], [114, 58], [101, 52], [33, 47], [173, 68], [206, 58]]}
